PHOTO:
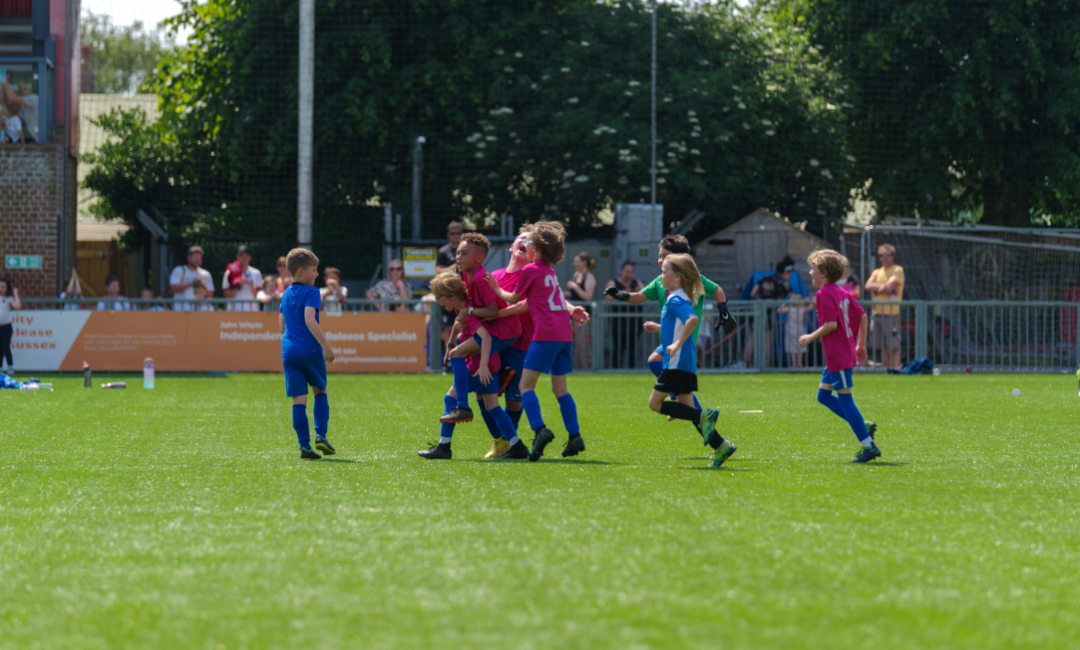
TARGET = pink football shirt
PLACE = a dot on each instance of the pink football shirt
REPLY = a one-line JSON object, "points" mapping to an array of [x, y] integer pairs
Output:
{"points": [[481, 295], [538, 284], [494, 364], [834, 305], [509, 282]]}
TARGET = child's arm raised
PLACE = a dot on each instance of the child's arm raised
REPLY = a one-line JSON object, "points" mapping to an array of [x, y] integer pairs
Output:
{"points": [[688, 331], [511, 298], [485, 354], [316, 331]]}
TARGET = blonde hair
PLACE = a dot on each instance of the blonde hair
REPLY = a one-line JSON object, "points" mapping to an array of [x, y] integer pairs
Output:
{"points": [[548, 237], [590, 263], [449, 284], [888, 247], [300, 258], [684, 266], [830, 263]]}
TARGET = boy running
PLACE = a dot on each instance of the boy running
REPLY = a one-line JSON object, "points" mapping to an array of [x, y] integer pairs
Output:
{"points": [[304, 351], [450, 291], [836, 310], [551, 350], [680, 279], [481, 302]]}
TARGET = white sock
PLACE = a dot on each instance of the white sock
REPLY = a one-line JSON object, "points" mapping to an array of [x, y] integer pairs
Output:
{"points": [[868, 443], [443, 440]]}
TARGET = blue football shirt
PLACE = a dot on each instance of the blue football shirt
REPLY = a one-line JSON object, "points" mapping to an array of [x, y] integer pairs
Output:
{"points": [[298, 341], [677, 311]]}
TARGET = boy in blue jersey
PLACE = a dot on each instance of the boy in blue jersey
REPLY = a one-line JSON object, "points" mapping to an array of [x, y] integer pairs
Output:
{"points": [[304, 351], [679, 276]]}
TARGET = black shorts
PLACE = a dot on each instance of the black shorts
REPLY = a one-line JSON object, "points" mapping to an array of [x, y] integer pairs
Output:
{"points": [[676, 381]]}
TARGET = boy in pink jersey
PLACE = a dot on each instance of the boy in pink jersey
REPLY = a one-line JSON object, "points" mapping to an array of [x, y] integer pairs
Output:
{"points": [[551, 350], [481, 302], [450, 291], [837, 312]]}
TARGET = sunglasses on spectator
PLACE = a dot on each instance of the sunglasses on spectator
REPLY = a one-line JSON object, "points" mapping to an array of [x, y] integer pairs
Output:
{"points": [[452, 233], [886, 254], [396, 268]]}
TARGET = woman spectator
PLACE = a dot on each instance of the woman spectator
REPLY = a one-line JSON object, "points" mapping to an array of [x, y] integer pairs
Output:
{"points": [[391, 288], [9, 300], [583, 285], [850, 282], [625, 329], [283, 280], [72, 293], [333, 294]]}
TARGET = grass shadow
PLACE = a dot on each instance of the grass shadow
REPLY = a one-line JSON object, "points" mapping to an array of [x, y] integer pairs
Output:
{"points": [[878, 464], [545, 460], [340, 460], [723, 468]]}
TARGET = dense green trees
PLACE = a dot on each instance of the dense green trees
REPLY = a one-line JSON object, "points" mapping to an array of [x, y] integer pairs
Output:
{"points": [[537, 109], [124, 58], [960, 106]]}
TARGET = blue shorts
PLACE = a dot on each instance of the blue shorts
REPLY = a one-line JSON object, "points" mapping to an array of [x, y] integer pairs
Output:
{"points": [[839, 380], [301, 371], [555, 358], [515, 359], [492, 387], [497, 344]]}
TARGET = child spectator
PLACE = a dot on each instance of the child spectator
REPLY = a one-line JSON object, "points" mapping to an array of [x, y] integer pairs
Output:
{"points": [[268, 293], [333, 295], [13, 129], [283, 279], [794, 328], [304, 351], [843, 348], [113, 300], [9, 300], [72, 293], [145, 295], [201, 292], [679, 276]]}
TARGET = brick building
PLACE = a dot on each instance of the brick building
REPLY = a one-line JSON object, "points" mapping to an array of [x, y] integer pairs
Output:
{"points": [[39, 83]]}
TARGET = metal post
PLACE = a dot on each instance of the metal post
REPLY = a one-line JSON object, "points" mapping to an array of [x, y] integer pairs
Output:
{"points": [[307, 123], [434, 336], [397, 234], [417, 168], [761, 326], [388, 235], [921, 333], [597, 325], [652, 184]]}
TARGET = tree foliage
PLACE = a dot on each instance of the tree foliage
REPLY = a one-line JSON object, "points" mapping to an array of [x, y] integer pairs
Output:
{"points": [[536, 109], [124, 59], [960, 106]]}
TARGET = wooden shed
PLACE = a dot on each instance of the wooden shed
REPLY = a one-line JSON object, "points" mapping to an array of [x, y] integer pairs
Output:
{"points": [[754, 243]]}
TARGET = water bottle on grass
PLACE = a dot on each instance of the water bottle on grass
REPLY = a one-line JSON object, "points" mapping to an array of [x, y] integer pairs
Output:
{"points": [[148, 373]]}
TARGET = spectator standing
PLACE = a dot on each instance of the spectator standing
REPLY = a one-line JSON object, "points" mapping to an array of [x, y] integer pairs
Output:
{"points": [[582, 288], [794, 328], [241, 281], [447, 256], [182, 280], [24, 105], [886, 284], [333, 294], [283, 280], [9, 300], [770, 287], [73, 292], [201, 293], [850, 282], [391, 288], [113, 300], [625, 330]]}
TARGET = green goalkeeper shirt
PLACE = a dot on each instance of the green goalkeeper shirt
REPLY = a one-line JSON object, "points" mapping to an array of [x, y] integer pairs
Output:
{"points": [[656, 292]]}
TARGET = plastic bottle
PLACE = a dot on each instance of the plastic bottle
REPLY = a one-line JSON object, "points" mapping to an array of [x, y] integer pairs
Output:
{"points": [[115, 384], [148, 373], [86, 375]]}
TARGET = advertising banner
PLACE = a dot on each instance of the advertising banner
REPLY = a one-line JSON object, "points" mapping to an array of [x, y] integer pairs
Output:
{"points": [[45, 341]]}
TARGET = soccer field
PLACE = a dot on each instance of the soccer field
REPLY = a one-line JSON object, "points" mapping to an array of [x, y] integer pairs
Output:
{"points": [[183, 518]]}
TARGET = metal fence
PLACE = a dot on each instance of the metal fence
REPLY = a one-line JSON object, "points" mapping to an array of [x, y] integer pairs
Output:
{"points": [[982, 336]]}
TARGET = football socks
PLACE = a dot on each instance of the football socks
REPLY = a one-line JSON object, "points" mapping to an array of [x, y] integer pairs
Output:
{"points": [[300, 424], [321, 411], [503, 425], [829, 401], [532, 409], [656, 367], [461, 381], [680, 411], [855, 419], [489, 419], [569, 414], [515, 417]]}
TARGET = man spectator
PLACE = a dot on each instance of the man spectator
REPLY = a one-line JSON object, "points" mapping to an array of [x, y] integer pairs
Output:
{"points": [[24, 104], [447, 255], [113, 300], [182, 280], [886, 284], [241, 281], [770, 287]]}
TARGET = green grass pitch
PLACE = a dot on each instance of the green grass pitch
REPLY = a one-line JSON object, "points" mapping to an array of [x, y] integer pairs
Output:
{"points": [[183, 518]]}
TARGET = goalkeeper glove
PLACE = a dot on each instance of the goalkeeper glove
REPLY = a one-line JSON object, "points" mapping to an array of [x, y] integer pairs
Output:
{"points": [[724, 319], [621, 296]]}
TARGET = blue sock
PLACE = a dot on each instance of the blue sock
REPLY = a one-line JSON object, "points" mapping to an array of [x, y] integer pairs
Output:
{"points": [[515, 417], [830, 402], [461, 381], [300, 423], [321, 410], [450, 403], [656, 367], [532, 409], [569, 414], [489, 419], [697, 404], [855, 419], [446, 433], [506, 428]]}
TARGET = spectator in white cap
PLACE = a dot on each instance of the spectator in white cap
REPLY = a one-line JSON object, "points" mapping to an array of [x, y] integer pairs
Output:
{"points": [[241, 281]]}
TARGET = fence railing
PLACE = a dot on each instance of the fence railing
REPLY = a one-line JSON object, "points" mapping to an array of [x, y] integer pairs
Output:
{"points": [[983, 336]]}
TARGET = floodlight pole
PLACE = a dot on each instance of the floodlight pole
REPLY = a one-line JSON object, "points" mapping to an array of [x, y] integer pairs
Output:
{"points": [[652, 86], [417, 169], [307, 123]]}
